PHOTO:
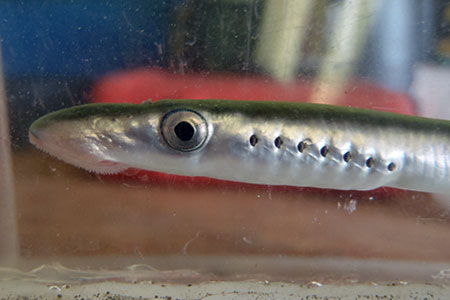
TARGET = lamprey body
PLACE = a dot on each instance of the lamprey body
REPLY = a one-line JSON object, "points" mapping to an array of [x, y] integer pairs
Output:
{"points": [[274, 143]]}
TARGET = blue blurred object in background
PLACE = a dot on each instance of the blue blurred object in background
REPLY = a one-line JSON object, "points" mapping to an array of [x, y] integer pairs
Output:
{"points": [[403, 36], [86, 38]]}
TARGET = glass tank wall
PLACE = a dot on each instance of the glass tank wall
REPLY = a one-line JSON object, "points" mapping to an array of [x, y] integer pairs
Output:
{"points": [[61, 226]]}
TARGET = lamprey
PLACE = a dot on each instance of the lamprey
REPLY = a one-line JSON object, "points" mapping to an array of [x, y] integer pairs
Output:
{"points": [[276, 143]]}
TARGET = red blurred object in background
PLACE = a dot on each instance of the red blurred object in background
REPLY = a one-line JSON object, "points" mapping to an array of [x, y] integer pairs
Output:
{"points": [[145, 84], [140, 85]]}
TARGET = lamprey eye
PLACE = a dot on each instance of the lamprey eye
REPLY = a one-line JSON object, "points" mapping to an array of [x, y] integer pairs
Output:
{"points": [[184, 130]]}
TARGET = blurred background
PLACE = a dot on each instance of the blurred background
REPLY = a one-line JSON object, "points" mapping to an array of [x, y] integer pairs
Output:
{"points": [[385, 55]]}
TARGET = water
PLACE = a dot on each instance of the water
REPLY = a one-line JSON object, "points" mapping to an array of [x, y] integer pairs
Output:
{"points": [[67, 232]]}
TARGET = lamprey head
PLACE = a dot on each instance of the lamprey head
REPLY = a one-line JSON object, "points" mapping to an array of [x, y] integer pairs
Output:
{"points": [[108, 138]]}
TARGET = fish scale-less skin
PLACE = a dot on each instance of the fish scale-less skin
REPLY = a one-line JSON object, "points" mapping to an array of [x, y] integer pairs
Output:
{"points": [[386, 149]]}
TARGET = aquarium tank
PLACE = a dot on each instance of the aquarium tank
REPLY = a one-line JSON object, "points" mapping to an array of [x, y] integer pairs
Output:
{"points": [[69, 233]]}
